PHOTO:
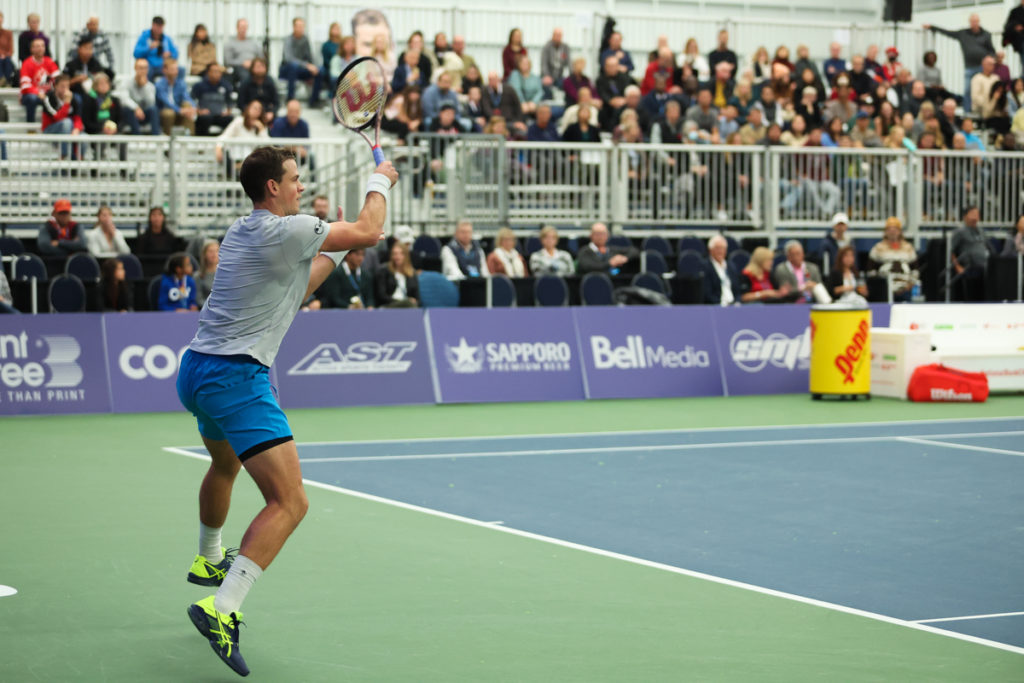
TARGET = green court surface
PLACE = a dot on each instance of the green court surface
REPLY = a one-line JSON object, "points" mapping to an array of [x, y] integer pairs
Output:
{"points": [[99, 529]]}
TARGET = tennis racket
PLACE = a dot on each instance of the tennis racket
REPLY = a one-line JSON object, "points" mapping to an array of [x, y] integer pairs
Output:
{"points": [[359, 100]]}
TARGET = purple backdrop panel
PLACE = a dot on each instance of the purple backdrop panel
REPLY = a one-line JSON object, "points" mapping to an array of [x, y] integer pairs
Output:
{"points": [[509, 354], [144, 351], [765, 349], [51, 364], [649, 352], [352, 358], [880, 314]]}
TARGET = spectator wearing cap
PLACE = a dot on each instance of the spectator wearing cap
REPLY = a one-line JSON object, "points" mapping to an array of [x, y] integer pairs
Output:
{"points": [[837, 237], [155, 46], [976, 44], [60, 235], [835, 65], [101, 47], [892, 66], [26, 37], [7, 71], [863, 133]]}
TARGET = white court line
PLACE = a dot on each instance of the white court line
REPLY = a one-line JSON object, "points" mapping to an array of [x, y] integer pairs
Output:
{"points": [[629, 432], [626, 449], [961, 446], [972, 616], [645, 563]]}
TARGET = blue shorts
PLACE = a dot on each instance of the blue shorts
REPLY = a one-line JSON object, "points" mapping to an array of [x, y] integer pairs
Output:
{"points": [[232, 399]]}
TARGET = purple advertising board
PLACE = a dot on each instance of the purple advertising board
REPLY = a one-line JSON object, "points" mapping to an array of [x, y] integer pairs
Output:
{"points": [[52, 364], [649, 352], [143, 352], [765, 349], [350, 358], [510, 354]]}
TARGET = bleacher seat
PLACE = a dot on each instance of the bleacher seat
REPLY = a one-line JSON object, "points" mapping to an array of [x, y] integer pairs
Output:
{"points": [[67, 294], [659, 244], [503, 291], [690, 264], [132, 267], [11, 246], [692, 243], [437, 291], [551, 290], [532, 244], [656, 262], [732, 244], [83, 266], [739, 259], [596, 290], [28, 266], [649, 281], [153, 292], [620, 241]]}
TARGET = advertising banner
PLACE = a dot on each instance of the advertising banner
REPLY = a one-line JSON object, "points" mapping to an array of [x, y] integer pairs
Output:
{"points": [[351, 358], [649, 352], [143, 352], [517, 354], [52, 364], [765, 349]]}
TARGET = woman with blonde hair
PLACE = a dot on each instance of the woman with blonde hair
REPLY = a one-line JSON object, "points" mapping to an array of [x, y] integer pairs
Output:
{"points": [[762, 65], [505, 258], [758, 274], [549, 259], [691, 57], [894, 256], [396, 285], [208, 261]]}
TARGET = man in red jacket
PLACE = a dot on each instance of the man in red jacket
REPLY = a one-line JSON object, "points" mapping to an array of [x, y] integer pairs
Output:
{"points": [[62, 113], [37, 74]]}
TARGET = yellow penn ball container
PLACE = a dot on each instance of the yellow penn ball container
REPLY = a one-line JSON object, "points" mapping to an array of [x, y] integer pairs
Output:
{"points": [[840, 351]]}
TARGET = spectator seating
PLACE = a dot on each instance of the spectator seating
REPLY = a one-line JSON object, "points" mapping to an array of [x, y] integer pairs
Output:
{"points": [[649, 281], [153, 292], [689, 280], [596, 290], [692, 243], [620, 241], [67, 294], [551, 290], [132, 267], [83, 266], [28, 266], [659, 244], [739, 259], [503, 292], [11, 246], [532, 244], [656, 262], [437, 291], [426, 253]]}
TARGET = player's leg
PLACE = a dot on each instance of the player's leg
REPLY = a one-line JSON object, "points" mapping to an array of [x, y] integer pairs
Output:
{"points": [[278, 475], [211, 564]]}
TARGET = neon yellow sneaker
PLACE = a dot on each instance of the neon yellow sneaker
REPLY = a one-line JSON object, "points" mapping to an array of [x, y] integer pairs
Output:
{"points": [[204, 573], [222, 632]]}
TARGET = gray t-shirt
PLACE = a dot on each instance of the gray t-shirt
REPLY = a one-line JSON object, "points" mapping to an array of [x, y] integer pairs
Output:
{"points": [[237, 51], [260, 283]]}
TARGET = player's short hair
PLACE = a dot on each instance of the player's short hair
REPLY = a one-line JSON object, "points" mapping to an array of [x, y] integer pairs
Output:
{"points": [[319, 197], [369, 16], [263, 164]]}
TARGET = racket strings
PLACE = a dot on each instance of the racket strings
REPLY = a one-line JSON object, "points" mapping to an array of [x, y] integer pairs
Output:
{"points": [[360, 95]]}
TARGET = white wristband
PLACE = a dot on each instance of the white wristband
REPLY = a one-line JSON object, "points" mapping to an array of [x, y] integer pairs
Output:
{"points": [[378, 182], [335, 256]]}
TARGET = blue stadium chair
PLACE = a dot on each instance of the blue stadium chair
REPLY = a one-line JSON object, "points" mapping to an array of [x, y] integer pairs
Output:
{"points": [[779, 258], [596, 290], [84, 267], [690, 265], [132, 267], [28, 266], [11, 246], [437, 291], [572, 245], [532, 244], [503, 292], [863, 244], [649, 281], [550, 290], [66, 295], [732, 243], [739, 259], [619, 241], [655, 262], [153, 292], [693, 243], [659, 244]]}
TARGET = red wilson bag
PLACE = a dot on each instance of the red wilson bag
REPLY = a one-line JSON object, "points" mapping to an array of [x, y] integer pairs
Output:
{"points": [[937, 383]]}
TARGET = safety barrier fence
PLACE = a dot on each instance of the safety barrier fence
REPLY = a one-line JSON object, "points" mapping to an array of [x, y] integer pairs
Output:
{"points": [[774, 192], [93, 363]]}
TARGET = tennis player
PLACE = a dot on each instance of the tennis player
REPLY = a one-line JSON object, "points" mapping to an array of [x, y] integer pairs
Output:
{"points": [[270, 261]]}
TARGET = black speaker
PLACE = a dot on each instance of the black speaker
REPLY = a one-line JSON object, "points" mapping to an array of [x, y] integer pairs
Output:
{"points": [[897, 10]]}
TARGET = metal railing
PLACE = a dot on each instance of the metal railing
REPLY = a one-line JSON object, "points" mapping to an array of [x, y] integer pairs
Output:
{"points": [[775, 192]]}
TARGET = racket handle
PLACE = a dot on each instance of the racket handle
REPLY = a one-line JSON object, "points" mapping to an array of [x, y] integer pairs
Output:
{"points": [[378, 155]]}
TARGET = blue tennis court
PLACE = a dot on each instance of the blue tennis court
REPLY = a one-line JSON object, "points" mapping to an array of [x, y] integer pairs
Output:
{"points": [[916, 521]]}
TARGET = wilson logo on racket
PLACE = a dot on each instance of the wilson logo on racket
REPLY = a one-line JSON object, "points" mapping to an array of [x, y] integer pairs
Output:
{"points": [[358, 94]]}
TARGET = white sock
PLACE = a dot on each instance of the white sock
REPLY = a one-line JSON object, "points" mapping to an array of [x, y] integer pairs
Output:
{"points": [[240, 578], [210, 546]]}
